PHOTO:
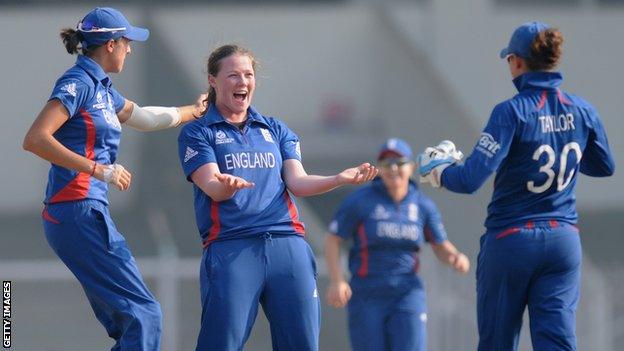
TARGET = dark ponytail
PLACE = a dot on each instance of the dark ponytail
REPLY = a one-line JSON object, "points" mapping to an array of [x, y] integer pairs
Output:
{"points": [[546, 50], [72, 39]]}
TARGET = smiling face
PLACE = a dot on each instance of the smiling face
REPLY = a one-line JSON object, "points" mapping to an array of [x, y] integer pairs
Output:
{"points": [[395, 172], [234, 84]]}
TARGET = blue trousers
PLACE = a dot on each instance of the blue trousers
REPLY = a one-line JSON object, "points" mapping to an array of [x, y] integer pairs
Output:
{"points": [[539, 266], [277, 271], [388, 319], [85, 238]]}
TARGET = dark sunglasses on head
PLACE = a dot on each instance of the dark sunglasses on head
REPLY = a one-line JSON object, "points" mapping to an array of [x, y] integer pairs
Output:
{"points": [[389, 162]]}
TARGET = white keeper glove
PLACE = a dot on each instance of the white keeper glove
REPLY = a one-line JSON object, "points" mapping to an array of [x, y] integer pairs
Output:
{"points": [[433, 161]]}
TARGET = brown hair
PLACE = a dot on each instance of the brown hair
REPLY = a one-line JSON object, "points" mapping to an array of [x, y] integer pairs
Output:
{"points": [[546, 50], [72, 39], [214, 64]]}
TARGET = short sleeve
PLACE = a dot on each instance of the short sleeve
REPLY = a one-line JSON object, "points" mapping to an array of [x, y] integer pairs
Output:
{"points": [[290, 147], [194, 148], [433, 227], [346, 219], [72, 93], [118, 100]]}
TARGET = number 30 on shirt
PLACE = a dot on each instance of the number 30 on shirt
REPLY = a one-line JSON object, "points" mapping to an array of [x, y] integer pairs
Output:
{"points": [[562, 181]]}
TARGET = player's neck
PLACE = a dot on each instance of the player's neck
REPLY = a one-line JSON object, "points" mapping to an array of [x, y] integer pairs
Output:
{"points": [[398, 194]]}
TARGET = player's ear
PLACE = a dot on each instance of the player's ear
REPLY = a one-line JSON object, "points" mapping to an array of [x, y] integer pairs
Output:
{"points": [[520, 63], [212, 80], [110, 46]]}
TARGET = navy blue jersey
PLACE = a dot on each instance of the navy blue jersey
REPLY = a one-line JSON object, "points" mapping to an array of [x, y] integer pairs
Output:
{"points": [[256, 154], [537, 142], [93, 130], [386, 236]]}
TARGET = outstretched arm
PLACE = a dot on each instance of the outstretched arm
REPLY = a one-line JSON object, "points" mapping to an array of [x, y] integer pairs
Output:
{"points": [[489, 152], [151, 118], [300, 183]]}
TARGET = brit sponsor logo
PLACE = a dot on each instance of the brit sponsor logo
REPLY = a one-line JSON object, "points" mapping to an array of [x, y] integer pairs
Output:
{"points": [[221, 138], [266, 135], [190, 153], [70, 89], [380, 213], [488, 145]]}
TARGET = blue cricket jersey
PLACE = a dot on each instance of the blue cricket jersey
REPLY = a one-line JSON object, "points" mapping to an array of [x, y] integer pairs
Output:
{"points": [[537, 142], [386, 235], [93, 130], [256, 154]]}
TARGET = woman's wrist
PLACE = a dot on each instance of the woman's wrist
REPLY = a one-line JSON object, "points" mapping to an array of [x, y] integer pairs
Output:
{"points": [[336, 181], [93, 167], [454, 257]]}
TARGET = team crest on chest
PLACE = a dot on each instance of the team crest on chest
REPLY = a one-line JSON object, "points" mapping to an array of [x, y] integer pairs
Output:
{"points": [[380, 213], [267, 135], [221, 138], [412, 212]]}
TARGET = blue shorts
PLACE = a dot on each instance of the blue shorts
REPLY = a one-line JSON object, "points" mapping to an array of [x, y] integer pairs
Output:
{"points": [[536, 265], [85, 238], [391, 318], [277, 271]]}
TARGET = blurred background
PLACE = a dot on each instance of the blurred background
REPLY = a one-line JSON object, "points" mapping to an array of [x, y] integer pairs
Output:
{"points": [[344, 75]]}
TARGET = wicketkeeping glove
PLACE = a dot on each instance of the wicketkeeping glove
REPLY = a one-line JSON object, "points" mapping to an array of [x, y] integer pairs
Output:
{"points": [[435, 159]]}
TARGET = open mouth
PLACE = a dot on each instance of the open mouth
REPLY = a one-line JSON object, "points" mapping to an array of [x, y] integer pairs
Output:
{"points": [[240, 96]]}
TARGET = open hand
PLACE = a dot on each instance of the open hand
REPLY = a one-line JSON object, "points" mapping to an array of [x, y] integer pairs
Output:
{"points": [[357, 175], [232, 183]]}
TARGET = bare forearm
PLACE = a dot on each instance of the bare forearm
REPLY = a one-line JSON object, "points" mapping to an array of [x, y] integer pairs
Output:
{"points": [[188, 113], [215, 190], [446, 252], [50, 149], [332, 257], [308, 185]]}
